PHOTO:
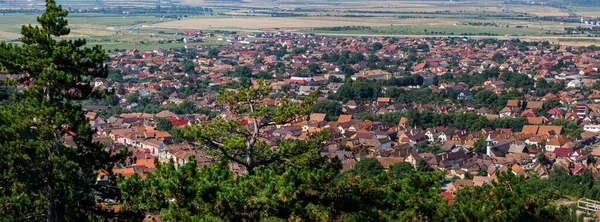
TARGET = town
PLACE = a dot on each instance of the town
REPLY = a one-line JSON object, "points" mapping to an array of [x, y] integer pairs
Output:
{"points": [[466, 107]]}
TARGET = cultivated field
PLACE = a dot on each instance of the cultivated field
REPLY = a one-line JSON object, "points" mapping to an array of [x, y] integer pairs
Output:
{"points": [[385, 17]]}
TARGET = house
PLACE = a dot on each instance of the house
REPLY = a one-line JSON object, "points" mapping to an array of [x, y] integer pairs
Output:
{"points": [[383, 101], [555, 143], [592, 128], [574, 84], [316, 118], [386, 162], [535, 105], [464, 95], [190, 46], [344, 118], [154, 145]]}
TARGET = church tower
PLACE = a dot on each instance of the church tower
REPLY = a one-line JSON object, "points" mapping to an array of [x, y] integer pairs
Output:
{"points": [[488, 146]]}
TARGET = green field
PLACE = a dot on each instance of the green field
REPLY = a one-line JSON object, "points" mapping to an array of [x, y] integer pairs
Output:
{"points": [[151, 45], [587, 11], [438, 30]]}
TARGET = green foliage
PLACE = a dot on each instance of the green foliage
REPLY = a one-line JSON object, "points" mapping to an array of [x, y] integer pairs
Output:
{"points": [[189, 67], [332, 108], [542, 87], [476, 79], [423, 166], [368, 90], [115, 75], [307, 193], [485, 98], [132, 98], [498, 57], [506, 199], [377, 46], [400, 170], [164, 124], [516, 80], [480, 146], [112, 100], [213, 53], [242, 71], [549, 104], [570, 128], [314, 68], [368, 167]]}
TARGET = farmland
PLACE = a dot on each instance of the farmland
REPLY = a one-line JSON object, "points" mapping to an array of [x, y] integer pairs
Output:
{"points": [[485, 18]]}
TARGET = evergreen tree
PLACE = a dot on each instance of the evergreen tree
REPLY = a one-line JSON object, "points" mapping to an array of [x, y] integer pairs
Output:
{"points": [[239, 136], [51, 166]]}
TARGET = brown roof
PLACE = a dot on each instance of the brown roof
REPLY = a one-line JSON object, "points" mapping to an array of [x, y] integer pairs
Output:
{"points": [[481, 180], [514, 103], [165, 113], [535, 105], [348, 165], [386, 162], [317, 117], [463, 183]]}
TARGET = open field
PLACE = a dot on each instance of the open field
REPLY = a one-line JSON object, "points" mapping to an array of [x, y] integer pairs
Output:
{"points": [[538, 10], [292, 23], [378, 25], [587, 11]]}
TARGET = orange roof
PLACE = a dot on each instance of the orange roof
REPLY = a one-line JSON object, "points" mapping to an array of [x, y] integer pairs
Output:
{"points": [[535, 120], [530, 129], [160, 134], [403, 120], [384, 100], [149, 163], [344, 118], [126, 172], [516, 168], [545, 129]]}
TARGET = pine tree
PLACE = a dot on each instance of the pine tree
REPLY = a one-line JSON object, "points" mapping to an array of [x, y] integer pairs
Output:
{"points": [[240, 135], [51, 166]]}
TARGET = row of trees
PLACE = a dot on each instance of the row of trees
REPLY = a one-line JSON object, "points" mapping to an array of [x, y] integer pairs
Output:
{"points": [[463, 121]]}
